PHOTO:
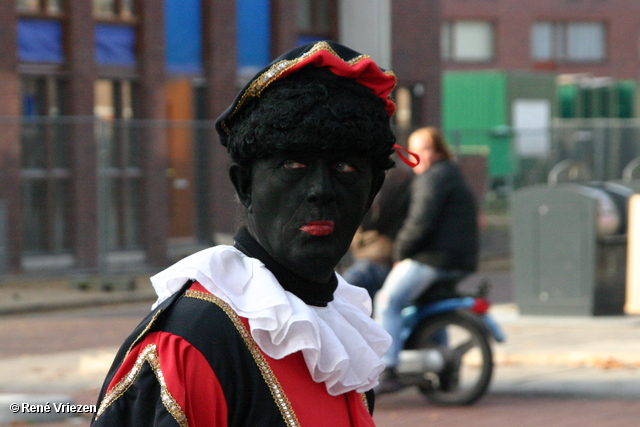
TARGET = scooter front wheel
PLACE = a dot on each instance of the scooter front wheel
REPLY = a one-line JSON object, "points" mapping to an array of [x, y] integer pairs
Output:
{"points": [[464, 342]]}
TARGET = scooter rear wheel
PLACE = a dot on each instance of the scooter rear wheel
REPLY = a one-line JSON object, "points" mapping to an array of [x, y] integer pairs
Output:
{"points": [[465, 343]]}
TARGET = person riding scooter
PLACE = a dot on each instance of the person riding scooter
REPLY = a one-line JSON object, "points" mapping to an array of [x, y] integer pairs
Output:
{"points": [[438, 237]]}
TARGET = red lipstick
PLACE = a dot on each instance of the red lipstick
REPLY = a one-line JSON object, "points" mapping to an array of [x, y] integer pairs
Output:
{"points": [[318, 228]]}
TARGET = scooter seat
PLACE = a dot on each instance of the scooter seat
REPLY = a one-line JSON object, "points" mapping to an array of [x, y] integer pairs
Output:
{"points": [[441, 289]]}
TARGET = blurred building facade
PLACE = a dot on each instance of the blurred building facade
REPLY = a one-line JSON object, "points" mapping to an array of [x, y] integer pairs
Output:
{"points": [[106, 108], [109, 156], [563, 36], [86, 88], [534, 83]]}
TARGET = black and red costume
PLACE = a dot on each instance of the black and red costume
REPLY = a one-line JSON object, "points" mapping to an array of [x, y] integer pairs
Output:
{"points": [[194, 362], [237, 339]]}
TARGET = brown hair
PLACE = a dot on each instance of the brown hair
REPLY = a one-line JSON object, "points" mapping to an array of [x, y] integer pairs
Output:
{"points": [[439, 143]]}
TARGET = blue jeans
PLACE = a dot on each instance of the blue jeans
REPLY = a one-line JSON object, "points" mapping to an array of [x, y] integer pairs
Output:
{"points": [[406, 281], [367, 274]]}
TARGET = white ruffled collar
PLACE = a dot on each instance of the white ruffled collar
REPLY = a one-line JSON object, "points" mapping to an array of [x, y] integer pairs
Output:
{"points": [[341, 344]]}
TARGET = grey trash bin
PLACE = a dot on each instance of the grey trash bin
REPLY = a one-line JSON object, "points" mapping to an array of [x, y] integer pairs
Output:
{"points": [[4, 252], [569, 248]]}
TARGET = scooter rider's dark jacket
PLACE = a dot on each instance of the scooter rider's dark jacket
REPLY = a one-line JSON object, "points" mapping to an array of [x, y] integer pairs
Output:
{"points": [[441, 228]]}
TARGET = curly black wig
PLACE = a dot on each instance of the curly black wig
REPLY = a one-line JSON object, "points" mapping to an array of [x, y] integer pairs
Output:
{"points": [[312, 110]]}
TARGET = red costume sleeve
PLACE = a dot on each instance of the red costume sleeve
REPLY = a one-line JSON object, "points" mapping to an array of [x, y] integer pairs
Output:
{"points": [[189, 389]]}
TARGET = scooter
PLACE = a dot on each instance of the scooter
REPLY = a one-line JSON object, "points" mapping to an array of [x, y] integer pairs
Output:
{"points": [[448, 344]]}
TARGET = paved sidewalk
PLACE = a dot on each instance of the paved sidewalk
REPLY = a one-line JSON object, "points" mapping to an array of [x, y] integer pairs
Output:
{"points": [[33, 294], [576, 356], [594, 357], [604, 342]]}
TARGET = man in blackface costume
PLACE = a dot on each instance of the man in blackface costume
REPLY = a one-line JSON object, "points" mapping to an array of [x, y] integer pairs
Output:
{"points": [[264, 332]]}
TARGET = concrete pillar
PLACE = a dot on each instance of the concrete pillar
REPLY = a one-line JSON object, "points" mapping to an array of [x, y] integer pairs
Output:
{"points": [[365, 26]]}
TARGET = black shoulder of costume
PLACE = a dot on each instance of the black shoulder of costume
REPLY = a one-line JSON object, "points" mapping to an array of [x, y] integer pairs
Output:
{"points": [[207, 327], [153, 318]]}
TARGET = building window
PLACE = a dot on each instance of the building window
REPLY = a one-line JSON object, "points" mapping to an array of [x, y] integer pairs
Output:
{"points": [[41, 41], [120, 164], [467, 41], [114, 9], [48, 7], [316, 20], [115, 45], [115, 32], [568, 41], [46, 176], [40, 31]]}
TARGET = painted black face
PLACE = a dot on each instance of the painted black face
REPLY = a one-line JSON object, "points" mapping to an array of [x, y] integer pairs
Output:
{"points": [[305, 208]]}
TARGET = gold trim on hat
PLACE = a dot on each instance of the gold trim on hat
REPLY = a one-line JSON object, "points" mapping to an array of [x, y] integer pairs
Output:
{"points": [[274, 72]]}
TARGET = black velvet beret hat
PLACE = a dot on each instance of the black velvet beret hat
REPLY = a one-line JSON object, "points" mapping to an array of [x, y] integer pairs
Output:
{"points": [[340, 60]]}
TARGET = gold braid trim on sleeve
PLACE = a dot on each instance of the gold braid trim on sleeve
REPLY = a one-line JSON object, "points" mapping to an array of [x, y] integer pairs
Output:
{"points": [[147, 328], [280, 398], [365, 400], [150, 355]]}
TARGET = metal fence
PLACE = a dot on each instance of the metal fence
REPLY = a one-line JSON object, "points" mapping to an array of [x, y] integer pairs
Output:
{"points": [[92, 193], [570, 150]]}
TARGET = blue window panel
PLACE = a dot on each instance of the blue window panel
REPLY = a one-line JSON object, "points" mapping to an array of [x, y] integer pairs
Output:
{"points": [[115, 45], [254, 33], [183, 36], [40, 41]]}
